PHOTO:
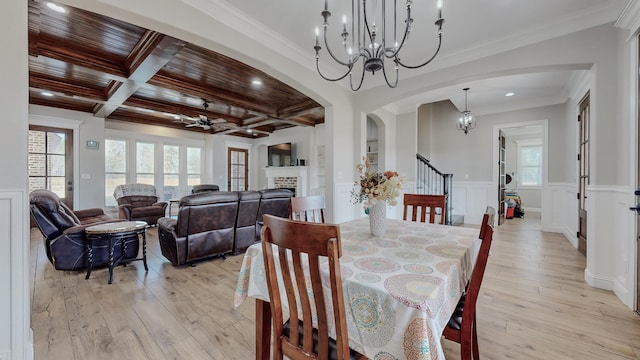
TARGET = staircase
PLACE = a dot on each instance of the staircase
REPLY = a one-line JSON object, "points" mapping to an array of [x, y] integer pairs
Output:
{"points": [[430, 180]]}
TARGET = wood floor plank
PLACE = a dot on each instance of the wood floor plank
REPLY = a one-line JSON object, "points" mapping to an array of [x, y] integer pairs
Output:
{"points": [[533, 304]]}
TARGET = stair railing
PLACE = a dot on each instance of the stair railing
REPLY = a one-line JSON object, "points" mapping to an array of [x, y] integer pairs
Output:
{"points": [[430, 180]]}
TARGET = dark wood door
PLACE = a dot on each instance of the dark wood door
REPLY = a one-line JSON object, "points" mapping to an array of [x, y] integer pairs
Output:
{"points": [[502, 176], [238, 171], [51, 161], [583, 168]]}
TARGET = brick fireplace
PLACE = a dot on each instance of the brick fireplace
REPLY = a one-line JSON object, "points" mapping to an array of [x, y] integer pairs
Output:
{"points": [[289, 177]]}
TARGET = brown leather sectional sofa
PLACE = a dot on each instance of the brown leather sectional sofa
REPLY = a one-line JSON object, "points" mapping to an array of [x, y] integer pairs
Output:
{"points": [[217, 223]]}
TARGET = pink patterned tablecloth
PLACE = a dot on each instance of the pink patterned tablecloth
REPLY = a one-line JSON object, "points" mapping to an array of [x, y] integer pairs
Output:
{"points": [[400, 289]]}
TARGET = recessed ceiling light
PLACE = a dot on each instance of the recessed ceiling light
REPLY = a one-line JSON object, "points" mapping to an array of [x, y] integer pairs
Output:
{"points": [[509, 94], [56, 7], [256, 82], [249, 131], [46, 93]]}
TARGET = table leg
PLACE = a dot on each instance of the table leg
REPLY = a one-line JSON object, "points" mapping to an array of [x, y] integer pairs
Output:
{"points": [[89, 257], [110, 259], [123, 249], [144, 249], [263, 330]]}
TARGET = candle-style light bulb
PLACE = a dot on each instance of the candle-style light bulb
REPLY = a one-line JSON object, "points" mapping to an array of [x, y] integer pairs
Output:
{"points": [[439, 4], [326, 6], [317, 35]]}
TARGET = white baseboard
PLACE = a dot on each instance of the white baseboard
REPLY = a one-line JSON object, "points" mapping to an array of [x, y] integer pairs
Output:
{"points": [[599, 282]]}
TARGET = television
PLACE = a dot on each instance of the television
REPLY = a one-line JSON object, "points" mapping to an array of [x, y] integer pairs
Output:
{"points": [[279, 155]]}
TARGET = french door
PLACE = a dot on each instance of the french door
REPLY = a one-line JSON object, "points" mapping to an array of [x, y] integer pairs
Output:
{"points": [[238, 169], [502, 176], [583, 175], [51, 161]]}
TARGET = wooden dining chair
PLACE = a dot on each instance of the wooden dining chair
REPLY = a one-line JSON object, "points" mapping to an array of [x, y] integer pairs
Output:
{"points": [[299, 245], [308, 208], [487, 220], [425, 203], [462, 326]]}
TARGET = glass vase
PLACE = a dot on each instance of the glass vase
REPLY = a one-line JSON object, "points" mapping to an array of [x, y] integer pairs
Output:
{"points": [[377, 218]]}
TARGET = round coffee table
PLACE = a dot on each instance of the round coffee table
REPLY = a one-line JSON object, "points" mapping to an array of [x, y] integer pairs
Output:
{"points": [[113, 233]]}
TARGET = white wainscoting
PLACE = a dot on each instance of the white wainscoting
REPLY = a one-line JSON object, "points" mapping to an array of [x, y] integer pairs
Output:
{"points": [[611, 243], [471, 199], [14, 276], [560, 210]]}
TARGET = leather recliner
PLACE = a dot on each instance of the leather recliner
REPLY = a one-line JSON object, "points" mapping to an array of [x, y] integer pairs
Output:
{"points": [[218, 222], [246, 222], [205, 227], [139, 202], [276, 202], [204, 187], [64, 235]]}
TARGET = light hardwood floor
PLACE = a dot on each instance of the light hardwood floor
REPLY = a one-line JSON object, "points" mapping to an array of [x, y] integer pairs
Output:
{"points": [[533, 304]]}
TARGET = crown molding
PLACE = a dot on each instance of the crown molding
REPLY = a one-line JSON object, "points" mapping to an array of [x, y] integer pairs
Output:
{"points": [[630, 17]]}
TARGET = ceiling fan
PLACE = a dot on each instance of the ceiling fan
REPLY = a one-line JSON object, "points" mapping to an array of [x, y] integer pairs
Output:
{"points": [[202, 120]]}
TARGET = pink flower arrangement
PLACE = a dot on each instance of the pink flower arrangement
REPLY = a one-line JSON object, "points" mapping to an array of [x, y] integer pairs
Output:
{"points": [[372, 187]]}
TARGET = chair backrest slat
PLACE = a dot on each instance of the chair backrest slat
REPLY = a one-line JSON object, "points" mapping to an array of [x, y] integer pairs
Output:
{"points": [[301, 245], [308, 208], [421, 203], [487, 220]]}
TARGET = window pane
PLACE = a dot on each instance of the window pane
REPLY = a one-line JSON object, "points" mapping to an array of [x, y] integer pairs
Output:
{"points": [[55, 143], [36, 183], [145, 179], [115, 156], [36, 165], [241, 158], [193, 160], [111, 181], [36, 141], [531, 155], [145, 158], [55, 165], [171, 159], [193, 180], [530, 176], [56, 184]]}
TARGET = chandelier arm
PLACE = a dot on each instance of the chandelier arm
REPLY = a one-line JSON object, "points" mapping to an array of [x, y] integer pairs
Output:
{"points": [[372, 37], [384, 72], [326, 44], [330, 79], [360, 84], [424, 63], [394, 53]]}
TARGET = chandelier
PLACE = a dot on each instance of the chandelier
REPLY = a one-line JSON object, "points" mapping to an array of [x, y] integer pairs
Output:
{"points": [[466, 121], [373, 39]]}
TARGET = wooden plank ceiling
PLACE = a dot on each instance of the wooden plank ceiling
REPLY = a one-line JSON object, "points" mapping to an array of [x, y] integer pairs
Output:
{"points": [[88, 62]]}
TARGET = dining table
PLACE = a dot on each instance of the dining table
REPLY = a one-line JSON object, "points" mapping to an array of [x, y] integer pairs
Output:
{"points": [[400, 289]]}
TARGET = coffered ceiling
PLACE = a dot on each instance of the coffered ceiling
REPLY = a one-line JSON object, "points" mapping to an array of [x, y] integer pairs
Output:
{"points": [[95, 64]]}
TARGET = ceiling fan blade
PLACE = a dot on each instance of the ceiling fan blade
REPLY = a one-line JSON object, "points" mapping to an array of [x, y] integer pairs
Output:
{"points": [[191, 125]]}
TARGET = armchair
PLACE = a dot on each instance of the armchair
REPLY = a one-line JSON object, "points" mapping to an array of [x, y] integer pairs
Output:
{"points": [[139, 202], [64, 235]]}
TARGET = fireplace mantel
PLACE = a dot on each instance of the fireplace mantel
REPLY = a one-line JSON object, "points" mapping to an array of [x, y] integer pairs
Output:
{"points": [[300, 172]]}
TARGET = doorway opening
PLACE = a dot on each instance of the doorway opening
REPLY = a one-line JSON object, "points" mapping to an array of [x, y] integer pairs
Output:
{"points": [[521, 155]]}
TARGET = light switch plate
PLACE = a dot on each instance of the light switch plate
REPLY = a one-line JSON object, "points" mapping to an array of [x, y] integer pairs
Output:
{"points": [[85, 176]]}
